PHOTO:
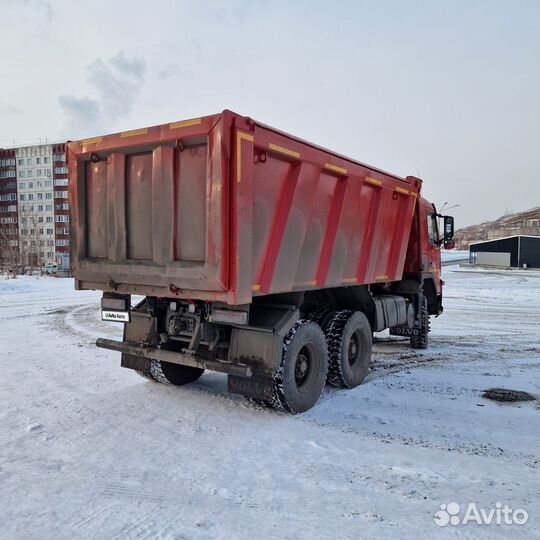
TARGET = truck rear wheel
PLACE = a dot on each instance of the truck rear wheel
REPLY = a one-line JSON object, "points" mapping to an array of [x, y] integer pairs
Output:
{"points": [[420, 340], [321, 316], [349, 340], [300, 379], [176, 374]]}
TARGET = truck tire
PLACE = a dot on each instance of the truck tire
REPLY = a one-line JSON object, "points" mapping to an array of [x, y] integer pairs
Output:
{"points": [[176, 374], [300, 379], [321, 316], [420, 340], [349, 340]]}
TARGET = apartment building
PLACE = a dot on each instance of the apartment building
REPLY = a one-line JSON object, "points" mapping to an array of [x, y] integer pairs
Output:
{"points": [[9, 229], [41, 193], [61, 205], [36, 204]]}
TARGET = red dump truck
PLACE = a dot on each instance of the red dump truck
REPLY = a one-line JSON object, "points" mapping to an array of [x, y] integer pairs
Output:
{"points": [[258, 254]]}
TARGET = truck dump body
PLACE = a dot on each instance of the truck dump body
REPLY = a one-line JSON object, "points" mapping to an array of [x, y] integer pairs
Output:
{"points": [[222, 208]]}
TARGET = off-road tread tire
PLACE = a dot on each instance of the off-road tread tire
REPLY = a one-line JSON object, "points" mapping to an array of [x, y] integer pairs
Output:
{"points": [[420, 341], [321, 317], [279, 399], [334, 336]]}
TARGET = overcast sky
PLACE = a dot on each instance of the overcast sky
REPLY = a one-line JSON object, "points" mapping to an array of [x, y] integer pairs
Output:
{"points": [[448, 90]]}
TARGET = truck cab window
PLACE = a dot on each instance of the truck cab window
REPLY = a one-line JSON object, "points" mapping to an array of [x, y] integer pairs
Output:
{"points": [[433, 231]]}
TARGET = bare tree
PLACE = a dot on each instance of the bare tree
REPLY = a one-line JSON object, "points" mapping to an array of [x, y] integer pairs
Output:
{"points": [[9, 248], [33, 237]]}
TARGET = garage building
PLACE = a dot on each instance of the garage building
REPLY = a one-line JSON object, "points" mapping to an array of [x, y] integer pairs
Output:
{"points": [[512, 251]]}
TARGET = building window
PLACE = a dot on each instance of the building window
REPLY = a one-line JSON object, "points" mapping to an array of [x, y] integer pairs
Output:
{"points": [[45, 159], [48, 195], [38, 160], [22, 197], [30, 173], [21, 162], [21, 174], [30, 185], [38, 172], [48, 183], [49, 219], [23, 185], [29, 161], [48, 207], [48, 172]]}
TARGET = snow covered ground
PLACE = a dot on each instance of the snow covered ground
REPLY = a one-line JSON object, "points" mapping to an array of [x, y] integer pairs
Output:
{"points": [[92, 451], [454, 256]]}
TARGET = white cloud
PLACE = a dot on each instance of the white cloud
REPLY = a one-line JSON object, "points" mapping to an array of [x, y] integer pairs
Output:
{"points": [[116, 83]]}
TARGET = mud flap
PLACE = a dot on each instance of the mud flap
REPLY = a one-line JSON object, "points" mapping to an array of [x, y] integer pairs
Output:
{"points": [[142, 328], [410, 328], [261, 351], [138, 363]]}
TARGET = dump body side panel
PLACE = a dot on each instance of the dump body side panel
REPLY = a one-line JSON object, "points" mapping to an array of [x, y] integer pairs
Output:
{"points": [[318, 219]]}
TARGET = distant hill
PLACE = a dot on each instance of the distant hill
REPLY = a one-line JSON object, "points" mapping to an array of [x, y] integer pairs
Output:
{"points": [[527, 222]]}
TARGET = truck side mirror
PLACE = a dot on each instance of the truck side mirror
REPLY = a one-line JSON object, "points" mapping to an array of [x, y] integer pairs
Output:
{"points": [[448, 227]]}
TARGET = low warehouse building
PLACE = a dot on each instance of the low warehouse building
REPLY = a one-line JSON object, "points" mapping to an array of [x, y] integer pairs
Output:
{"points": [[512, 251]]}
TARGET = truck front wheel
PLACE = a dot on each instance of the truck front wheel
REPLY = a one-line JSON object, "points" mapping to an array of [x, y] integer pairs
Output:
{"points": [[349, 340], [419, 340], [300, 379]]}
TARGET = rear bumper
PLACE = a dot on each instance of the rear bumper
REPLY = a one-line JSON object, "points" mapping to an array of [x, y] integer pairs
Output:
{"points": [[152, 353]]}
